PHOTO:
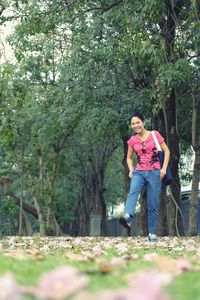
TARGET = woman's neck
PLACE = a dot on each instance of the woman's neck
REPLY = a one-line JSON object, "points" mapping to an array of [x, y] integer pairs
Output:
{"points": [[143, 133]]}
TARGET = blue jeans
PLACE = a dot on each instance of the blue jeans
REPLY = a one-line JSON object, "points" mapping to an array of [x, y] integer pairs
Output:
{"points": [[150, 179]]}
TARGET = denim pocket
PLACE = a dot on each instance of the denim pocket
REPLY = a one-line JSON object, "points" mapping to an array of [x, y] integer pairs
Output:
{"points": [[156, 173]]}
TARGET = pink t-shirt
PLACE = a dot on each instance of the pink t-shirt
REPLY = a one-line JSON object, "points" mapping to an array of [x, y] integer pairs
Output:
{"points": [[146, 151]]}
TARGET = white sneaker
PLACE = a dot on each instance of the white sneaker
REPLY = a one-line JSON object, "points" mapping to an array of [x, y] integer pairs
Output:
{"points": [[152, 238], [125, 221]]}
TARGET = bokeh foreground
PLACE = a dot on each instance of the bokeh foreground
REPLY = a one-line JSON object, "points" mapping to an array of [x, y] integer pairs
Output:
{"points": [[99, 268]]}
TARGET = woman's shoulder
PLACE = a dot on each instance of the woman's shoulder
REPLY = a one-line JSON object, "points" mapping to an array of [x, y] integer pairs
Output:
{"points": [[159, 136], [132, 140], [156, 131]]}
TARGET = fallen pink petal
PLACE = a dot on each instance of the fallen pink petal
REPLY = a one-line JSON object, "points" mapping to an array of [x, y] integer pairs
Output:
{"points": [[97, 250], [9, 289], [60, 283], [150, 256], [121, 248], [182, 266]]}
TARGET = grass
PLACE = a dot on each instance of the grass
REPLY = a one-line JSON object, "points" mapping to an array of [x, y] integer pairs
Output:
{"points": [[186, 287], [29, 258]]}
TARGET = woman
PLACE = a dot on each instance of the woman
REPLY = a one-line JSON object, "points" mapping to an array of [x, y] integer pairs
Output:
{"points": [[148, 172]]}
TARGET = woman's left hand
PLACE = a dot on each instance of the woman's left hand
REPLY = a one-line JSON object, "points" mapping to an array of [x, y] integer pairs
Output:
{"points": [[162, 174]]}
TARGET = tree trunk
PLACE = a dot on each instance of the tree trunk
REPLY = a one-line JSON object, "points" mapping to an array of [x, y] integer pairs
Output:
{"points": [[162, 229], [170, 217], [35, 210], [168, 28], [196, 169], [98, 202], [5, 182], [158, 123], [40, 217], [55, 229], [102, 203], [195, 133], [98, 206], [176, 222], [143, 223], [51, 180], [81, 224], [194, 196], [125, 137], [27, 225], [22, 190], [27, 207]]}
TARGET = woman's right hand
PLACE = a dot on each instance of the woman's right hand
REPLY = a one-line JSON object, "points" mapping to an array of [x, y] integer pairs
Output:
{"points": [[130, 173]]}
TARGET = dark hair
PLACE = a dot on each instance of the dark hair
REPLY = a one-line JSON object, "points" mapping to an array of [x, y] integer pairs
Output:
{"points": [[137, 114]]}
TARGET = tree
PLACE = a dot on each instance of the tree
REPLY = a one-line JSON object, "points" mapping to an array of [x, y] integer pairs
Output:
{"points": [[195, 91], [76, 60]]}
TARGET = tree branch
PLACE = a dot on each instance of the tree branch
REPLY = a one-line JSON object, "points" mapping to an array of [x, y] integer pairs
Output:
{"points": [[26, 207]]}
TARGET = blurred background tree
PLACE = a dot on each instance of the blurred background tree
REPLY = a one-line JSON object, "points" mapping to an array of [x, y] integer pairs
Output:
{"points": [[80, 69]]}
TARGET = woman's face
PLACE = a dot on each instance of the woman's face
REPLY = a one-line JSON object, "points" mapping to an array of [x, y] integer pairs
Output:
{"points": [[137, 125]]}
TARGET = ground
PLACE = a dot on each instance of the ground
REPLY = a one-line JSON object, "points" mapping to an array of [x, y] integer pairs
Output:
{"points": [[111, 268]]}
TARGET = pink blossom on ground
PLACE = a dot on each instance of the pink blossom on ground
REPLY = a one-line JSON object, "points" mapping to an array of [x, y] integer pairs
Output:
{"points": [[77, 241], [60, 283], [88, 256], [188, 241], [65, 245], [189, 247], [107, 245], [153, 276], [31, 242], [97, 250], [9, 289], [172, 243], [122, 294], [166, 238], [122, 247], [178, 248], [116, 261], [150, 256], [11, 240], [45, 248], [161, 244], [182, 266], [198, 252], [1, 247], [146, 285], [149, 285]]}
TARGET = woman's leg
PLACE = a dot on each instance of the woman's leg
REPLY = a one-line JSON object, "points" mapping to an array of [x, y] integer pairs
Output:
{"points": [[137, 183], [153, 192]]}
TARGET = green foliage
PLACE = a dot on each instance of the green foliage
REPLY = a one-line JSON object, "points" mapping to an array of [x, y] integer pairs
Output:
{"points": [[81, 69], [173, 75], [9, 216]]}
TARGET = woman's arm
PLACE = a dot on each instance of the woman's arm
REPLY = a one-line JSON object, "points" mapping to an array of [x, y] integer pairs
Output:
{"points": [[166, 159], [130, 160]]}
